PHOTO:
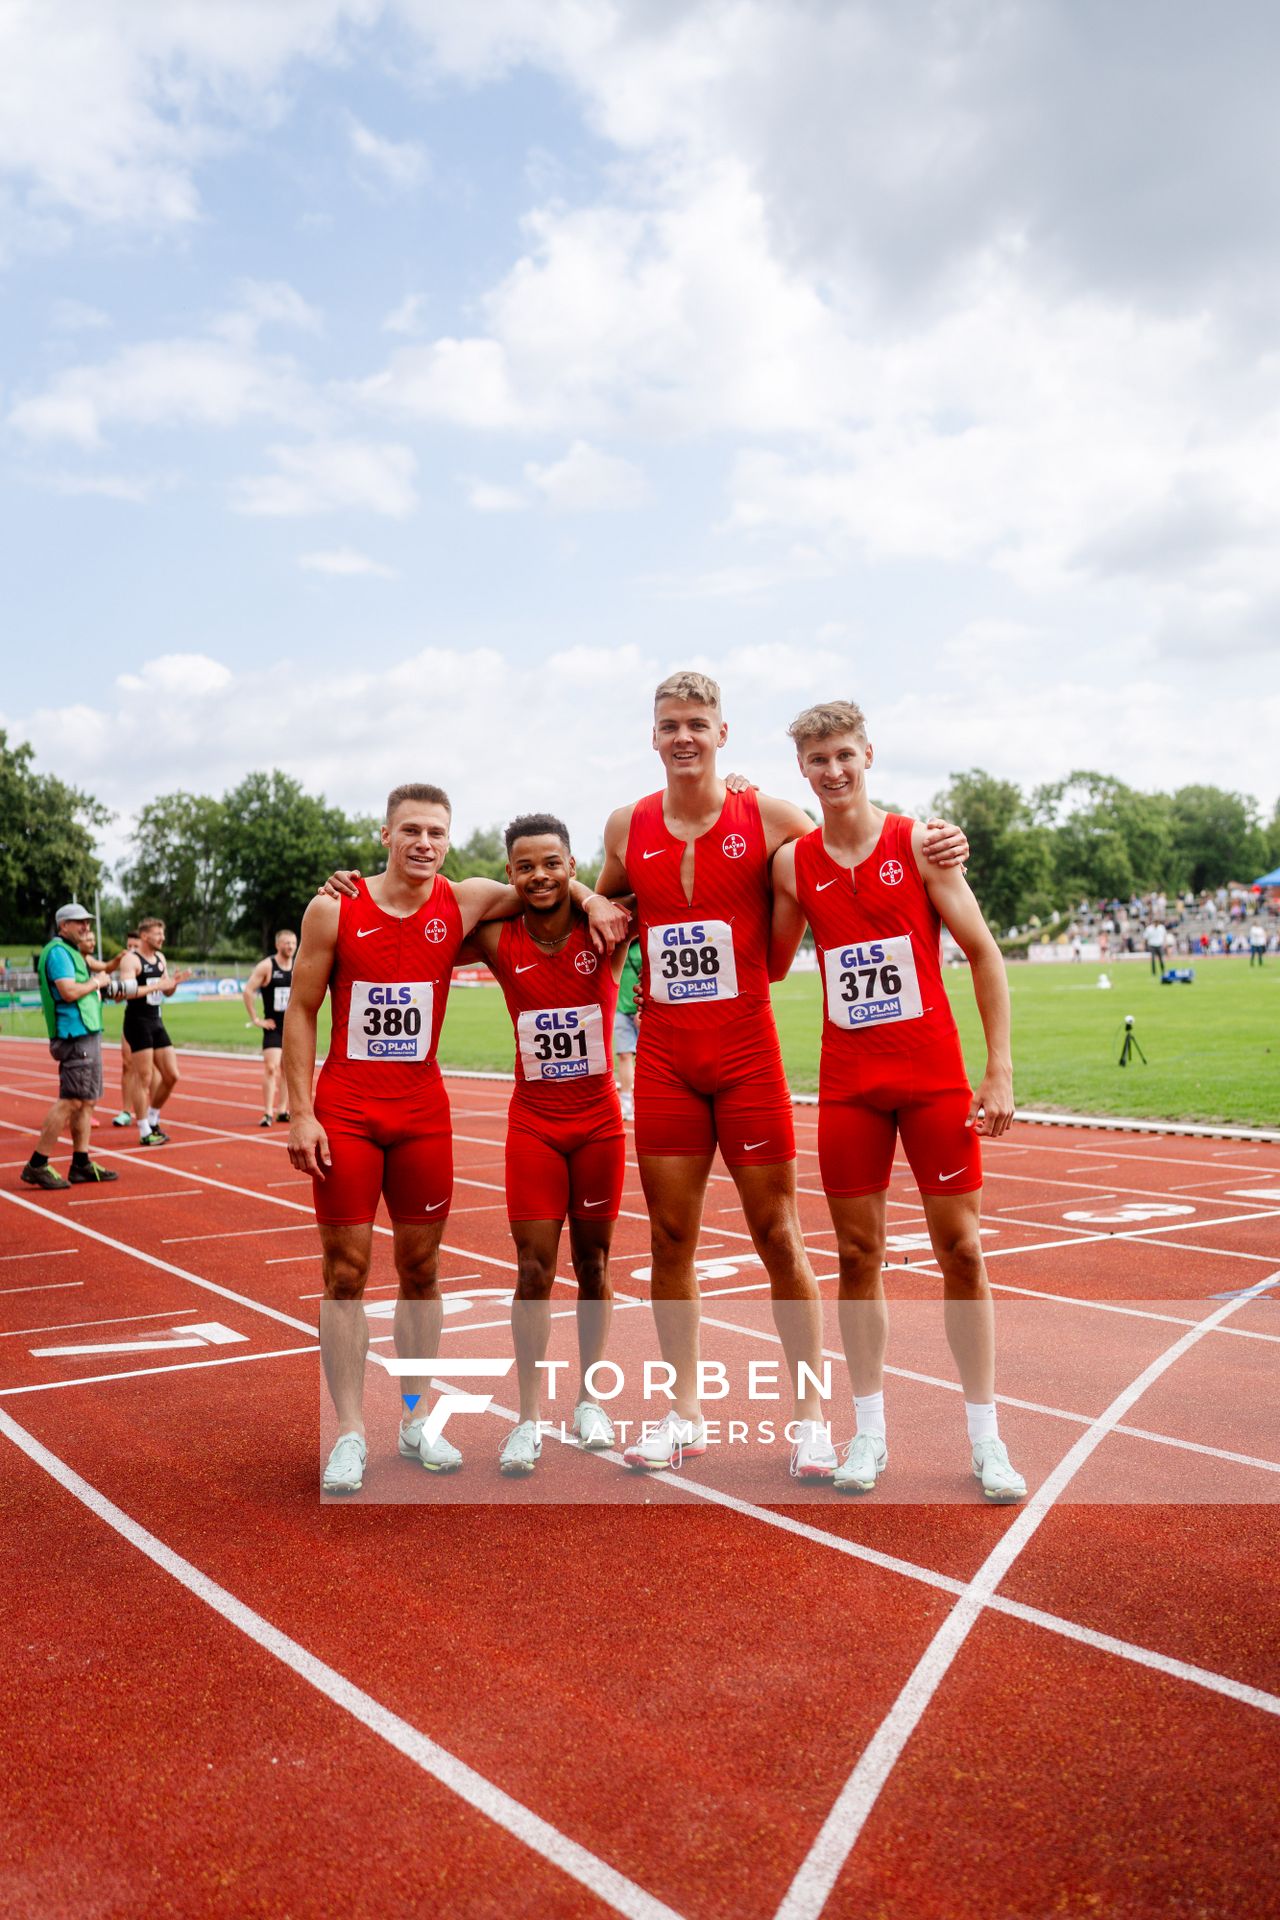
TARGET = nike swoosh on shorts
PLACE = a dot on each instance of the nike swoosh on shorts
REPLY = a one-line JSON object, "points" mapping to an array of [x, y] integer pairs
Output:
{"points": [[436, 1205], [749, 1146], [593, 1203], [952, 1176]]}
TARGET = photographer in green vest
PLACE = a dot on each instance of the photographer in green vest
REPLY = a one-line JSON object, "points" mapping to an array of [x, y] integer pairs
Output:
{"points": [[71, 996]]}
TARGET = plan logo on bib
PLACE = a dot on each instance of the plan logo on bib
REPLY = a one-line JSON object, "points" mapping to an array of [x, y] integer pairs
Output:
{"points": [[435, 931], [891, 873], [734, 846], [585, 962]]}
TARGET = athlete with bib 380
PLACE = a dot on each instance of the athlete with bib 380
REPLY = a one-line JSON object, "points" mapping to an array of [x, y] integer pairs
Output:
{"points": [[380, 1124], [708, 1066], [891, 1066], [566, 1148]]}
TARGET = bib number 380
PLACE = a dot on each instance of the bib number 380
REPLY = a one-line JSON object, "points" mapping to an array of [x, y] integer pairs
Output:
{"points": [[872, 983], [390, 1020], [694, 961]]}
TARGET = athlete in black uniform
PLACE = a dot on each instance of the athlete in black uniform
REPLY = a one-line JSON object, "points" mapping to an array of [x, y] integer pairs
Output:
{"points": [[272, 978], [153, 1063]]}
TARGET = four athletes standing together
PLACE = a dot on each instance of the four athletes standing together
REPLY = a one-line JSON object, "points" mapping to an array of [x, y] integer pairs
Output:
{"points": [[721, 881]]}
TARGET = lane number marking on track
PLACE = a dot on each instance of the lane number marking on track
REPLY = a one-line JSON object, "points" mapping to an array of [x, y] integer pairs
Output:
{"points": [[1133, 1211], [206, 1333]]}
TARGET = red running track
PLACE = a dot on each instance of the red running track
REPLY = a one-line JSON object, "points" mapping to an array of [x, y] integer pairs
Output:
{"points": [[227, 1698]]}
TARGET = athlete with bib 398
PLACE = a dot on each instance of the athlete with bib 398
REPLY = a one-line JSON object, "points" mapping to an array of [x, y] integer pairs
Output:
{"points": [[379, 1125], [708, 1067], [892, 1067]]}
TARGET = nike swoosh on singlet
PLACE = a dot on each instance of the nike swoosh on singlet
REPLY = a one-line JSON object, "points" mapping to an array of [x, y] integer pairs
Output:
{"points": [[529, 969], [656, 854], [362, 931], [824, 886]]}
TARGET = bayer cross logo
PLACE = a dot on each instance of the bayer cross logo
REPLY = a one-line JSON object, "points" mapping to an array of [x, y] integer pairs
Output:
{"points": [[891, 873], [435, 931], [734, 845], [585, 962]]}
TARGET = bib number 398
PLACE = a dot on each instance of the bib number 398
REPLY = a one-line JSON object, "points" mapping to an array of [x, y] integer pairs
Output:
{"points": [[693, 961], [390, 1020], [561, 1043], [872, 983]]}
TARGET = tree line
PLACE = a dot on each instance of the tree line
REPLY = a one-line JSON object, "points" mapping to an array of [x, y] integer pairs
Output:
{"points": [[235, 869], [1092, 837]]}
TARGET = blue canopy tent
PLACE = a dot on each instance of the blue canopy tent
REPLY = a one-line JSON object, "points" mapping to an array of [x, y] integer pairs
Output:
{"points": [[1271, 879]]}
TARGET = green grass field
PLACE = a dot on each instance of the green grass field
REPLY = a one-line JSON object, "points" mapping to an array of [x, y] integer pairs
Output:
{"points": [[1213, 1049]]}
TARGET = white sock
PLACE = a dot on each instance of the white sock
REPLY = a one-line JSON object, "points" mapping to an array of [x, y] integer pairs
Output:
{"points": [[144, 1125], [870, 1413], [981, 1422], [153, 1117]]}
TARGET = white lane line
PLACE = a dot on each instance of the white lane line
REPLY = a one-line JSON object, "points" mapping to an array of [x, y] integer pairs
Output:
{"points": [[114, 1199], [113, 1320], [288, 1259], [50, 1253], [537, 1834], [838, 1835], [236, 1233], [49, 1286]]}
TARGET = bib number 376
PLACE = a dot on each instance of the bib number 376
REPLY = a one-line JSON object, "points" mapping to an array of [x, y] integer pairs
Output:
{"points": [[693, 961], [390, 1020], [872, 983]]}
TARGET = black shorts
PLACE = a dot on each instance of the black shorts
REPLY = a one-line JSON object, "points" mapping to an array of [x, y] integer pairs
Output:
{"points": [[273, 1036], [79, 1066], [143, 1030]]}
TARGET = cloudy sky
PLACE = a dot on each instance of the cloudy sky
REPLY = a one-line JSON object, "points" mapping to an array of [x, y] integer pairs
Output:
{"points": [[396, 388]]}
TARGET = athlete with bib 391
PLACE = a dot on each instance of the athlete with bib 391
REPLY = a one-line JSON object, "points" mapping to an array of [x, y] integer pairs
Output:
{"points": [[892, 1067], [708, 1067], [379, 1124], [566, 1148]]}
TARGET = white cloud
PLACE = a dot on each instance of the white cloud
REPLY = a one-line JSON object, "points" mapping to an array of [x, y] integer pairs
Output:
{"points": [[135, 488], [344, 562], [410, 316], [327, 476], [398, 164], [484, 496], [181, 674], [585, 480], [212, 380]]}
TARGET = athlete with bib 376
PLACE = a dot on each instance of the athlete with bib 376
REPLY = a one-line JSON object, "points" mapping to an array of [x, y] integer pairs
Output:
{"points": [[379, 1125], [891, 1067], [708, 1067], [566, 1148]]}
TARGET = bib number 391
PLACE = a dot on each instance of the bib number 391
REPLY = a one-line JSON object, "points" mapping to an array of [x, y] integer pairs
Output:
{"points": [[693, 961], [561, 1043], [872, 983], [390, 1020]]}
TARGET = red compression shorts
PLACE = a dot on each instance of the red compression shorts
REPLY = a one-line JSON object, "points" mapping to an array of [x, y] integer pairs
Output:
{"points": [[573, 1165], [400, 1148], [720, 1086], [856, 1137]]}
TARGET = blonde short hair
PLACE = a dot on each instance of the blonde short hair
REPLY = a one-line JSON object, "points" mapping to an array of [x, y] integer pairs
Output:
{"points": [[687, 685], [827, 719]]}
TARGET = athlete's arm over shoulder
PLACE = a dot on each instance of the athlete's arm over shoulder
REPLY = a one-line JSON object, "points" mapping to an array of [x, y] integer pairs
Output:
{"points": [[782, 821], [481, 943], [951, 894], [788, 921], [480, 899], [317, 948], [613, 874]]}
